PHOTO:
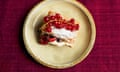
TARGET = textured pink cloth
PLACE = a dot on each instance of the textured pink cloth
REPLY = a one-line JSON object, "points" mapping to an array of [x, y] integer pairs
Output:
{"points": [[104, 57]]}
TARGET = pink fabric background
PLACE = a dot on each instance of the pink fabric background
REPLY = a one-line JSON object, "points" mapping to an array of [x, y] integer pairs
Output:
{"points": [[105, 56]]}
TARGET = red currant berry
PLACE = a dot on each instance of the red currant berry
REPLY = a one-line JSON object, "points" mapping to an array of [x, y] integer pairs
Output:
{"points": [[72, 21], [72, 28], [59, 26], [51, 39], [68, 27], [76, 26], [48, 29], [50, 24], [46, 19], [54, 23], [52, 17], [43, 40], [58, 16]]}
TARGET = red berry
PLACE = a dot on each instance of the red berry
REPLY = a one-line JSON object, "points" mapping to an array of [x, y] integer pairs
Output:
{"points": [[58, 16], [55, 23], [68, 27], [58, 22], [72, 28], [63, 25], [59, 26], [48, 29], [50, 24], [76, 26], [52, 17], [72, 21], [51, 39], [46, 19], [43, 40]]}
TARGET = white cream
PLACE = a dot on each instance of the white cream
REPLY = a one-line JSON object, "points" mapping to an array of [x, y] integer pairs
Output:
{"points": [[63, 33]]}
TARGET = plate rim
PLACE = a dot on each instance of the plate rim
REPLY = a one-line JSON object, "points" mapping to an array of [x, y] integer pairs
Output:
{"points": [[85, 53]]}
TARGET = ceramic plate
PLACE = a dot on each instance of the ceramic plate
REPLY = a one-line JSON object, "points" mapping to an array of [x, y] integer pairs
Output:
{"points": [[59, 57]]}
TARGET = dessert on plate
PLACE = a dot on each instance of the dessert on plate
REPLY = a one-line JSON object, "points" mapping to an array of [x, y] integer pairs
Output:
{"points": [[57, 30]]}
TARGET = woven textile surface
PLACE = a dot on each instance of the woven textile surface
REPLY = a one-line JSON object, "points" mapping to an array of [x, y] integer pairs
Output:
{"points": [[104, 57]]}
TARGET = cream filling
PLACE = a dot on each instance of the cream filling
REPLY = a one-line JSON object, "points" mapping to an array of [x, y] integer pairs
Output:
{"points": [[63, 33]]}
